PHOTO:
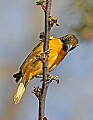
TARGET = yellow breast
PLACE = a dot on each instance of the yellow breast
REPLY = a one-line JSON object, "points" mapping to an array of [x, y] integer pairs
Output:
{"points": [[56, 55]]}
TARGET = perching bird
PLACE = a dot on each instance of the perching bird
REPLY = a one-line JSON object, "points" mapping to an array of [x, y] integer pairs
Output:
{"points": [[30, 67]]}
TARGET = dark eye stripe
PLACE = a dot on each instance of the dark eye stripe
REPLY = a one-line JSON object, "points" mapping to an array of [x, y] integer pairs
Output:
{"points": [[65, 47]]}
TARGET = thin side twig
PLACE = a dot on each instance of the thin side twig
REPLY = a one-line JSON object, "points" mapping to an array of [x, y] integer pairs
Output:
{"points": [[45, 65]]}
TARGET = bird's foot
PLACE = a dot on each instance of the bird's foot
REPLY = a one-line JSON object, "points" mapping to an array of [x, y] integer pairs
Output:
{"points": [[39, 76], [51, 78]]}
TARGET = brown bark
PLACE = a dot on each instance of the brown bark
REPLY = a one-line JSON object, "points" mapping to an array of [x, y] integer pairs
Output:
{"points": [[45, 64]]}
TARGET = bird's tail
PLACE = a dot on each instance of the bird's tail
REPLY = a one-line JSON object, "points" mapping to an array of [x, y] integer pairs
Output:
{"points": [[20, 91]]}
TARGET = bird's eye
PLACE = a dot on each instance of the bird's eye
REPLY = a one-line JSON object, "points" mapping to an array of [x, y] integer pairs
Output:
{"points": [[68, 39]]}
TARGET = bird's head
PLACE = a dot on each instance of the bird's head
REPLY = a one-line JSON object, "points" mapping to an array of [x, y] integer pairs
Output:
{"points": [[70, 41]]}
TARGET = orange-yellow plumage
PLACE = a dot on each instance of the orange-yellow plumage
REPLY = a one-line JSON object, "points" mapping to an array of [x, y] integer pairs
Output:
{"points": [[29, 69], [54, 59]]}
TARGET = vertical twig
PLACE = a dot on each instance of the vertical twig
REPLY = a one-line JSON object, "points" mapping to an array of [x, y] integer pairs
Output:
{"points": [[45, 65]]}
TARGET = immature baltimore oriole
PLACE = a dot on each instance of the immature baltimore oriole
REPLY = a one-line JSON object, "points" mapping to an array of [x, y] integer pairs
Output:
{"points": [[29, 69]]}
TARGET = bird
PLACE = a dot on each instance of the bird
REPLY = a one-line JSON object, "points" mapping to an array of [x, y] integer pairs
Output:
{"points": [[59, 48]]}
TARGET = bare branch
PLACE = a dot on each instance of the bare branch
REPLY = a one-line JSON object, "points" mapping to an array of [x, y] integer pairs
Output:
{"points": [[45, 64]]}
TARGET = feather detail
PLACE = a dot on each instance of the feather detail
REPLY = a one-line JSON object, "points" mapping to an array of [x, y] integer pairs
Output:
{"points": [[19, 93], [17, 76]]}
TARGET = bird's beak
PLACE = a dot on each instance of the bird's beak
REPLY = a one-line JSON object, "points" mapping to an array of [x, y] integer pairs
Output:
{"points": [[71, 47]]}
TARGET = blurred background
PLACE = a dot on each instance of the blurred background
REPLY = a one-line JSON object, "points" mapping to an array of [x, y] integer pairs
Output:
{"points": [[21, 21]]}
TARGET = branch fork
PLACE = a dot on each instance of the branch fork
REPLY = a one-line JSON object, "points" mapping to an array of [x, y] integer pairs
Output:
{"points": [[37, 90]]}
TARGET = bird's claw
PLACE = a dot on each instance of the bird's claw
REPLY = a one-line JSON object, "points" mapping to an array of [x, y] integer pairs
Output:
{"points": [[51, 78], [39, 76]]}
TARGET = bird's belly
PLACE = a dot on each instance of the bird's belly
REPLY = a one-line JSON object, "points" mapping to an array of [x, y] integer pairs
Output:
{"points": [[53, 62], [56, 55]]}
